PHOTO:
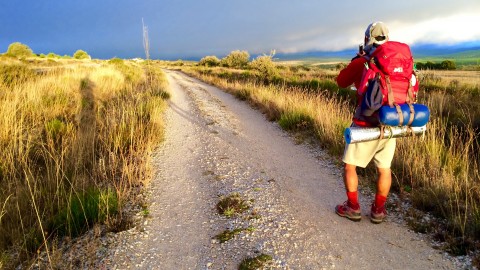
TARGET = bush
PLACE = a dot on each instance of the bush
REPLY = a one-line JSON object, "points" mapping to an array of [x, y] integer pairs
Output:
{"points": [[79, 54], [52, 55], [448, 65], [236, 59], [18, 49], [209, 61], [265, 66], [116, 61]]}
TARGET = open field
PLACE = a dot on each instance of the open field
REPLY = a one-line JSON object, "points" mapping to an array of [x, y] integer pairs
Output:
{"points": [[464, 77]]}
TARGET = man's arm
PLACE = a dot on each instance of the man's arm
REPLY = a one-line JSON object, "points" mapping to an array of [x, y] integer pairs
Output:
{"points": [[352, 74]]}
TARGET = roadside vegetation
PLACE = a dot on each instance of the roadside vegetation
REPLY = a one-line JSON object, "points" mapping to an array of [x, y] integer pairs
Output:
{"points": [[259, 262], [438, 172], [76, 137]]}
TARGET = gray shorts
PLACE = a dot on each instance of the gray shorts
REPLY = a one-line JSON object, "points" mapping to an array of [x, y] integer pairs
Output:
{"points": [[360, 154]]}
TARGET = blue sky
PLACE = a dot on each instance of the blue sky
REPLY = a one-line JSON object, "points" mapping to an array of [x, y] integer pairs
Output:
{"points": [[189, 28]]}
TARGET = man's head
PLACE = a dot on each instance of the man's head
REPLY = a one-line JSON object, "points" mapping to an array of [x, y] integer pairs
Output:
{"points": [[376, 34]]}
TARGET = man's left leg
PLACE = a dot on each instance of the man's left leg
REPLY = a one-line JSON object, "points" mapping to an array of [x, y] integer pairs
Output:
{"points": [[384, 182]]}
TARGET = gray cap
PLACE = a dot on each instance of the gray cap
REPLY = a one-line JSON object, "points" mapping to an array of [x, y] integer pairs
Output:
{"points": [[377, 33]]}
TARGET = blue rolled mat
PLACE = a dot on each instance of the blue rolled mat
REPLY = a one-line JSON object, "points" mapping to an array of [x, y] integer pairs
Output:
{"points": [[389, 116]]}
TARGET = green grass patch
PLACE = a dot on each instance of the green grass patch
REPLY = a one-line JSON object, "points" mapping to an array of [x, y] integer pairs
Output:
{"points": [[242, 94], [84, 210], [228, 234], [255, 262], [295, 121], [145, 212], [55, 128], [231, 205], [159, 92]]}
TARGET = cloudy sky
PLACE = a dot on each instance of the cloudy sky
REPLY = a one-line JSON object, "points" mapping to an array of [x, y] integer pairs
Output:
{"points": [[193, 28]]}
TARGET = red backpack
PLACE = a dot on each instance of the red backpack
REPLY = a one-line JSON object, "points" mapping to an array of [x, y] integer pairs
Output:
{"points": [[388, 79]]}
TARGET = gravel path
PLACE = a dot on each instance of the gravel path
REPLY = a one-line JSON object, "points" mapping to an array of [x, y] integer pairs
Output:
{"points": [[216, 145]]}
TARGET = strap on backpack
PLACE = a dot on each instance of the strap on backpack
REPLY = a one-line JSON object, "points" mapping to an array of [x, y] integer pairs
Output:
{"points": [[382, 132], [391, 102], [410, 100]]}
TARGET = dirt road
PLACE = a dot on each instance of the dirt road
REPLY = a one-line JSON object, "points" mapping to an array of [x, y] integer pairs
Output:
{"points": [[216, 145]]}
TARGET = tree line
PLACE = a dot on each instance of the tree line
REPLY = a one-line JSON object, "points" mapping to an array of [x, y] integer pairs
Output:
{"points": [[444, 65]]}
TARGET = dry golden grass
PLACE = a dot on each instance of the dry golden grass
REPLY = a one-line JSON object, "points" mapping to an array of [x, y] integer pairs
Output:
{"points": [[72, 132], [471, 78]]}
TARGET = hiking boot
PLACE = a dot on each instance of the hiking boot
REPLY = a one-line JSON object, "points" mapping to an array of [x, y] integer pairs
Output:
{"points": [[344, 210], [377, 214]]}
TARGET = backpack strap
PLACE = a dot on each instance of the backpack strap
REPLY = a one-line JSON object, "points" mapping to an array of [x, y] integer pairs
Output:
{"points": [[410, 100], [391, 99], [391, 102], [382, 132]]}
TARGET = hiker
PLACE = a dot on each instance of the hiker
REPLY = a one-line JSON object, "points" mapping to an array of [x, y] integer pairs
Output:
{"points": [[360, 154]]}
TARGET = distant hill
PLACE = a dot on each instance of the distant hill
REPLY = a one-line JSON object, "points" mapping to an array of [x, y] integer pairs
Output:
{"points": [[345, 54], [466, 54]]}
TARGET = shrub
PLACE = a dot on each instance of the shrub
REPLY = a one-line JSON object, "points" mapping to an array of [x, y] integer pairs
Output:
{"points": [[448, 65], [236, 59], [79, 54], [116, 61], [209, 61], [53, 55], [18, 49], [265, 66]]}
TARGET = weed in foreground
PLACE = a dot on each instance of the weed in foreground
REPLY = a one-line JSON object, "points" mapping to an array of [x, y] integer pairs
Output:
{"points": [[255, 262], [228, 234], [145, 212], [231, 205]]}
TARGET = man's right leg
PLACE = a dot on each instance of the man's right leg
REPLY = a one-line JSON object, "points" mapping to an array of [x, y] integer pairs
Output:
{"points": [[350, 178], [383, 160]]}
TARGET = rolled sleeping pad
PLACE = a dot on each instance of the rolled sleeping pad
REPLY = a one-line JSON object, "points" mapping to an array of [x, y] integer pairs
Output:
{"points": [[389, 116], [364, 134]]}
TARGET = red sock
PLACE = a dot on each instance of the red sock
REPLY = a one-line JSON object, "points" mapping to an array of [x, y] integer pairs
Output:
{"points": [[380, 200], [353, 199]]}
